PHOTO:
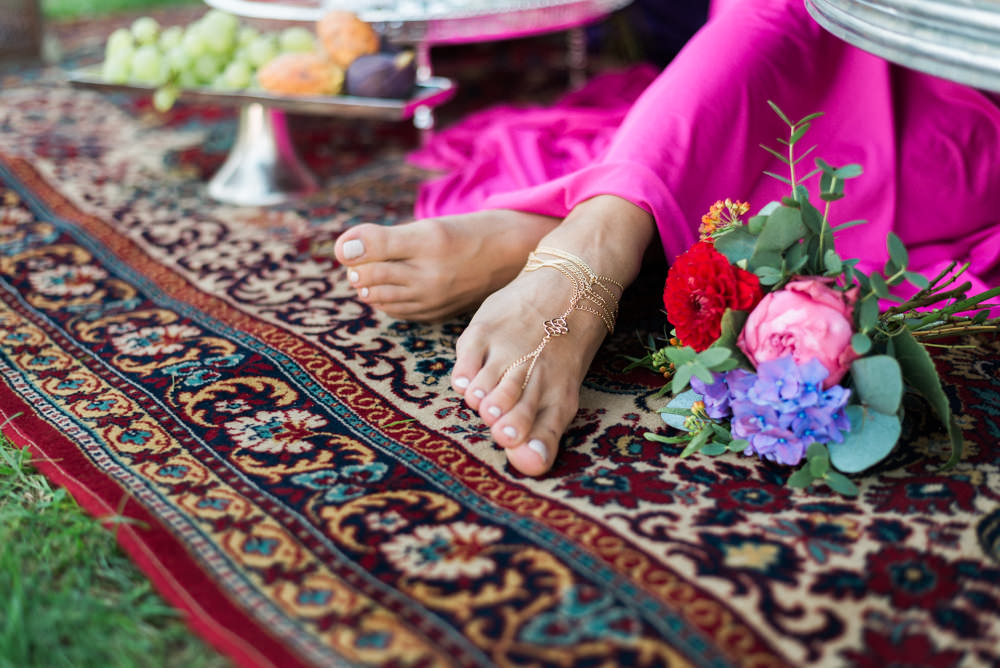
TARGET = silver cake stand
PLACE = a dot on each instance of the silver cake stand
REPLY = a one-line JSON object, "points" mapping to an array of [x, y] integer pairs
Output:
{"points": [[262, 167], [953, 39]]}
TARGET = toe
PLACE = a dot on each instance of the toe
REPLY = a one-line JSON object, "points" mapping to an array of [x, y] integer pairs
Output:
{"points": [[359, 244], [536, 451], [377, 243], [470, 353]]}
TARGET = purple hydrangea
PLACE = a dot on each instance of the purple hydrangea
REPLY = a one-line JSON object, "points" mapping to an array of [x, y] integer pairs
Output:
{"points": [[781, 410]]}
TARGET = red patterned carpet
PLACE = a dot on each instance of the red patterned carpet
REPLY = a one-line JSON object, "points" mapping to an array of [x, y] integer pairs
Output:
{"points": [[312, 493]]}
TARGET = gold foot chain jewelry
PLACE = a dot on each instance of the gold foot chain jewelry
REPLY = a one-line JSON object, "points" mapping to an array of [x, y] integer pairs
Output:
{"points": [[591, 293]]}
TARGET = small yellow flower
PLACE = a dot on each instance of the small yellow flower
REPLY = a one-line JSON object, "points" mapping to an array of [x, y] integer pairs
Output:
{"points": [[722, 215]]}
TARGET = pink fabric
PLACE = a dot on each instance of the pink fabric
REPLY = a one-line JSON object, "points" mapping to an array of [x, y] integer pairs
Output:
{"points": [[930, 148]]}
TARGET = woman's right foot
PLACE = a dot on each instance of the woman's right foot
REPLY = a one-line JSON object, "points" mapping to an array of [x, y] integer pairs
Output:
{"points": [[438, 267]]}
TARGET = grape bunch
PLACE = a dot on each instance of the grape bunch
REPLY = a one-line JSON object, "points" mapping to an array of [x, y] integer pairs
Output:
{"points": [[215, 51]]}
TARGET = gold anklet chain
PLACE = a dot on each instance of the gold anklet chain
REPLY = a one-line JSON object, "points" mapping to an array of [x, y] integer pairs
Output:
{"points": [[591, 293]]}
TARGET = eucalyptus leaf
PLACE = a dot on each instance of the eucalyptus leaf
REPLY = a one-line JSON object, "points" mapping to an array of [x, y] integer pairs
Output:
{"points": [[867, 314], [713, 356], [783, 179], [670, 440], [714, 448], [872, 437], [918, 280], [799, 131], [731, 326], [736, 244], [861, 343], [920, 373], [801, 478], [850, 223], [849, 171], [697, 443], [682, 376], [832, 262], [783, 228], [768, 275], [780, 113], [831, 197], [878, 382], [701, 371], [739, 445], [814, 115], [812, 218], [879, 286], [840, 483], [818, 466], [817, 450], [680, 354], [681, 402], [897, 251]]}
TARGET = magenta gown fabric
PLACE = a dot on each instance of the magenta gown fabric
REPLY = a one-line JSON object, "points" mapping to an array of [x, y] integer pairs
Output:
{"points": [[930, 148]]}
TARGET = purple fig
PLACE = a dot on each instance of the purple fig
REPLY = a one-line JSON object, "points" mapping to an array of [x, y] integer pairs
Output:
{"points": [[390, 75]]}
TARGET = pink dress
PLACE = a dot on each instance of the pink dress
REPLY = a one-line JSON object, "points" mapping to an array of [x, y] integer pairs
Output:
{"points": [[930, 148]]}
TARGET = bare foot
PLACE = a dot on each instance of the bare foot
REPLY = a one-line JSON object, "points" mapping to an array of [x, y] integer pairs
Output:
{"points": [[438, 267], [610, 235]]}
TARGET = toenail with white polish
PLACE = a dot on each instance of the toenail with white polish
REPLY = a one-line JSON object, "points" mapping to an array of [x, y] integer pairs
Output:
{"points": [[364, 292], [539, 448], [353, 248], [479, 394], [496, 412], [461, 382], [509, 431], [352, 276]]}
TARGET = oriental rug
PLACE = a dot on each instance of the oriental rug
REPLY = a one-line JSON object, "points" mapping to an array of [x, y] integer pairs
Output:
{"points": [[308, 490]]}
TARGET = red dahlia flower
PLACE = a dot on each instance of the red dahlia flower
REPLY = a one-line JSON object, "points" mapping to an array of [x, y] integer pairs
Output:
{"points": [[700, 286]]}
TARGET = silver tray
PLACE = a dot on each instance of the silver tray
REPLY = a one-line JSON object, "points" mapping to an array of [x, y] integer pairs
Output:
{"points": [[427, 93], [433, 22], [946, 38]]}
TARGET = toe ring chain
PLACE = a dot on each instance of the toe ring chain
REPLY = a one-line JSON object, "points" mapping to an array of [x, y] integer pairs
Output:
{"points": [[591, 293]]}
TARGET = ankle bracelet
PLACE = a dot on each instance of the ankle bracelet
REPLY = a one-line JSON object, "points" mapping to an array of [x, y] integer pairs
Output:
{"points": [[591, 293]]}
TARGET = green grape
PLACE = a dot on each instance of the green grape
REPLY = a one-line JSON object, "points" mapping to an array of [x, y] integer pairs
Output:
{"points": [[164, 97], [220, 30], [220, 21], [246, 35], [194, 41], [117, 69], [171, 37], [179, 59], [207, 67], [148, 66], [120, 43], [187, 79], [145, 29], [236, 76], [262, 50], [296, 38]]}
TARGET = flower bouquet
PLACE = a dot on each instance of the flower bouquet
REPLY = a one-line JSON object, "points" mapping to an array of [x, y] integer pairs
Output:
{"points": [[781, 349]]}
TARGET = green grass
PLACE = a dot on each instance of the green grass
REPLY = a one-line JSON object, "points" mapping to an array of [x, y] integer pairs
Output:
{"points": [[66, 9], [69, 597]]}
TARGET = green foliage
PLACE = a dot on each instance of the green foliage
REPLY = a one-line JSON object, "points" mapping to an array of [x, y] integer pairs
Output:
{"points": [[68, 595], [66, 9]]}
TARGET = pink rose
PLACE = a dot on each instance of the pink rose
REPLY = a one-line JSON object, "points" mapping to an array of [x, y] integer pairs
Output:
{"points": [[806, 319]]}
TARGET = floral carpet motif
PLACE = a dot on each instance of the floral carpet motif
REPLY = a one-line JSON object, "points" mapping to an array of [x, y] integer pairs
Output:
{"points": [[310, 492]]}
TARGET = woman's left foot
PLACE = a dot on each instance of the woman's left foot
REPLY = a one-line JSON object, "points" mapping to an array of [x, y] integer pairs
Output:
{"points": [[528, 401]]}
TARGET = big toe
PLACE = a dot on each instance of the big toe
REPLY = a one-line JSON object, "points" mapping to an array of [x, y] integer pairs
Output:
{"points": [[536, 454], [364, 243]]}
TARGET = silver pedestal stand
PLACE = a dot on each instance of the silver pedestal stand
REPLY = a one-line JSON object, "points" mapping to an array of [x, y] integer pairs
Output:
{"points": [[262, 168]]}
